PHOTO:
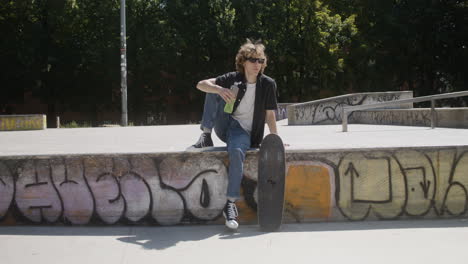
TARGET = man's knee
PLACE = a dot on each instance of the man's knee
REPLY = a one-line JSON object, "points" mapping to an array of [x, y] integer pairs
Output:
{"points": [[212, 97], [236, 153]]}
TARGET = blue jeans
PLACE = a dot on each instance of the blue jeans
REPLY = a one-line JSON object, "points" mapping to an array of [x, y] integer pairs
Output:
{"points": [[228, 130]]}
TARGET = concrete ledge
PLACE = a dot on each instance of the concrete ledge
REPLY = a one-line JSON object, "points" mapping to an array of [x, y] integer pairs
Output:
{"points": [[328, 111], [179, 188], [446, 117], [22, 122]]}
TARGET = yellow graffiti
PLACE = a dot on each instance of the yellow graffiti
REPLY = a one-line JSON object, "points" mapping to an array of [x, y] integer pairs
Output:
{"points": [[456, 197], [11, 123], [371, 182]]}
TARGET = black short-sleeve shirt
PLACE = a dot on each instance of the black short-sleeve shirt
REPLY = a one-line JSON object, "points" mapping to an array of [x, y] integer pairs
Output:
{"points": [[265, 99]]}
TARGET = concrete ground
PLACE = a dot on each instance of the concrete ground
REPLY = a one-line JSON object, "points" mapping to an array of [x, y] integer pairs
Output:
{"points": [[422, 241], [176, 138]]}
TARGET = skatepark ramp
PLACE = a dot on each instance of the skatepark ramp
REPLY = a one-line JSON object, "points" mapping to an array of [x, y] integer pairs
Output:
{"points": [[394, 108], [452, 118], [328, 111]]}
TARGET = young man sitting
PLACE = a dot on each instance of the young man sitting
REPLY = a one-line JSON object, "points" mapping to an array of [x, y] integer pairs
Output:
{"points": [[253, 96]]}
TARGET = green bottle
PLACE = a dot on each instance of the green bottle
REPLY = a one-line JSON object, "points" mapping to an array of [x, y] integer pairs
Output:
{"points": [[229, 107]]}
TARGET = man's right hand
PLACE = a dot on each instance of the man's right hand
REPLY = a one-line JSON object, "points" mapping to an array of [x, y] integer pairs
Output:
{"points": [[226, 94]]}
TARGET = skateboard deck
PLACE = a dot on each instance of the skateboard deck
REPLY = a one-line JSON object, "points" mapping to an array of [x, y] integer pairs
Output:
{"points": [[271, 182]]}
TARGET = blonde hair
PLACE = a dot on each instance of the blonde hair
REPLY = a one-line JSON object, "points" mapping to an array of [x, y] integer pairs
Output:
{"points": [[250, 49]]}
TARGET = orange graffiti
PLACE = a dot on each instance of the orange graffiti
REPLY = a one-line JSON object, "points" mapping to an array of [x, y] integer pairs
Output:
{"points": [[246, 214], [308, 193]]}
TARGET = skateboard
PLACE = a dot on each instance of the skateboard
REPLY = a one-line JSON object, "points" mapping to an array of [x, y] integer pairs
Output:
{"points": [[271, 182]]}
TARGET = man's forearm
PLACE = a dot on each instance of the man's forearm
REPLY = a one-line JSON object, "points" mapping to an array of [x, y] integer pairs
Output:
{"points": [[271, 121], [208, 86]]}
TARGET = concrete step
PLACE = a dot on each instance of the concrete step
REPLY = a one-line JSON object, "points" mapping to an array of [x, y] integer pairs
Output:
{"points": [[142, 175]]}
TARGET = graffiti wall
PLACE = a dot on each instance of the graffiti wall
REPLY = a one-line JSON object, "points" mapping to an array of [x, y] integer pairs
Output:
{"points": [[81, 190], [328, 111], [176, 188], [22, 122], [282, 111]]}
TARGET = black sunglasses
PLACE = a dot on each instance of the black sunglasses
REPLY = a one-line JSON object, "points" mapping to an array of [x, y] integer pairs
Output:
{"points": [[254, 60]]}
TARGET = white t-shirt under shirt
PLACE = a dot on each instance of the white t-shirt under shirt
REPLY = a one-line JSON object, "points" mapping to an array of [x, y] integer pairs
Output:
{"points": [[245, 109]]}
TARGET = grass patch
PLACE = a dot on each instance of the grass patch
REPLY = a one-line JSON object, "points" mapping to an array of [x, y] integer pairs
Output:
{"points": [[74, 124]]}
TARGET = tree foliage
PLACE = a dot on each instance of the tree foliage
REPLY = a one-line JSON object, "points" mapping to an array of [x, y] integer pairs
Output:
{"points": [[66, 52]]}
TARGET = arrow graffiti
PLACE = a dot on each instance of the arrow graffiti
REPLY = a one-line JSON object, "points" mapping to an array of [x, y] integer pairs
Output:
{"points": [[352, 170], [425, 186]]}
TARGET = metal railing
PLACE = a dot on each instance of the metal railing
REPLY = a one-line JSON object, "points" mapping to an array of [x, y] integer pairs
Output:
{"points": [[432, 98]]}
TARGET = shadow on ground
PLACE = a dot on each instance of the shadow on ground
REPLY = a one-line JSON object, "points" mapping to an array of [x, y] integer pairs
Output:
{"points": [[162, 237]]}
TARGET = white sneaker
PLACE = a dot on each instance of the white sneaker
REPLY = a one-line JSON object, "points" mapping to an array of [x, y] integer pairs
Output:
{"points": [[230, 214]]}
